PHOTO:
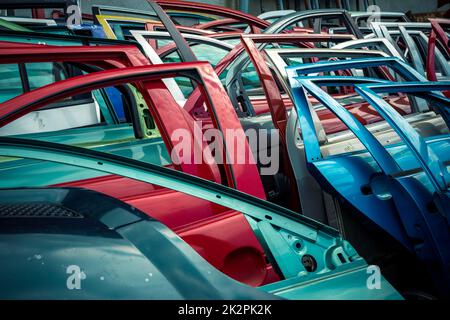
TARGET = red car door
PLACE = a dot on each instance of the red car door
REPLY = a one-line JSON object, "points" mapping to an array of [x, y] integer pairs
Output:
{"points": [[224, 238]]}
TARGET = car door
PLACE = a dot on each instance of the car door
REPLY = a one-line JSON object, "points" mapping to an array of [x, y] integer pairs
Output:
{"points": [[197, 223], [385, 187]]}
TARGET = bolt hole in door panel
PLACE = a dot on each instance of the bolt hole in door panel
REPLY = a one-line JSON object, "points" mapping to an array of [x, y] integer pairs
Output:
{"points": [[222, 237], [395, 186]]}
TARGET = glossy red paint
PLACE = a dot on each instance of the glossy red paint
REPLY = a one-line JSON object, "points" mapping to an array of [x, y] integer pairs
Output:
{"points": [[439, 35], [194, 105], [255, 23], [150, 26], [7, 44], [103, 56], [220, 25], [275, 101], [239, 176], [223, 237]]}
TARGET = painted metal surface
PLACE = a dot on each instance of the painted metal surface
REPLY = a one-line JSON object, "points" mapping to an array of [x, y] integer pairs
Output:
{"points": [[166, 119], [144, 38], [272, 225], [275, 101], [297, 17], [278, 57], [269, 15], [222, 25], [397, 201], [416, 45], [253, 44], [30, 22], [379, 27], [185, 30], [38, 38], [184, 49], [124, 56], [107, 10], [440, 37], [199, 222], [105, 57], [406, 71], [122, 252], [381, 44], [106, 20], [400, 68], [255, 23], [56, 39], [362, 17], [5, 24]]}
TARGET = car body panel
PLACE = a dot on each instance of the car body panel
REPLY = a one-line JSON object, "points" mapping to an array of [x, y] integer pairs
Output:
{"points": [[55, 39], [122, 252], [104, 21], [223, 25], [37, 7], [380, 16], [107, 10], [12, 26], [416, 45], [294, 18], [253, 44], [437, 35], [389, 195], [146, 37], [271, 223], [27, 22], [148, 41], [255, 23], [401, 68], [275, 14], [185, 30], [199, 227], [279, 65], [106, 57], [324, 122], [275, 102], [10, 110]]}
